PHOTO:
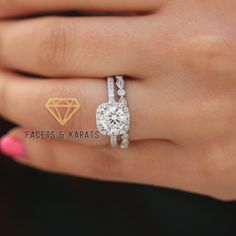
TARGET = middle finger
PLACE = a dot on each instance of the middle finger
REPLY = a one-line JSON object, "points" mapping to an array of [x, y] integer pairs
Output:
{"points": [[74, 47]]}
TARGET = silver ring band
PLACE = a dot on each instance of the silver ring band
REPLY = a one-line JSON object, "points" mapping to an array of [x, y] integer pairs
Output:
{"points": [[120, 83], [113, 117], [111, 89], [111, 99]]}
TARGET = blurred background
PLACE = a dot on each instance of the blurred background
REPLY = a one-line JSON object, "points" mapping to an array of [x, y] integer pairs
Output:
{"points": [[38, 203]]}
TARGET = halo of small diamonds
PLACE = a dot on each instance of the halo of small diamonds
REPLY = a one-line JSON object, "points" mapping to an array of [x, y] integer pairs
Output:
{"points": [[113, 118]]}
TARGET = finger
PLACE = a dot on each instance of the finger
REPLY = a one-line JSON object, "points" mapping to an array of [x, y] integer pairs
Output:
{"points": [[24, 7], [100, 162], [76, 47], [23, 100], [149, 162]]}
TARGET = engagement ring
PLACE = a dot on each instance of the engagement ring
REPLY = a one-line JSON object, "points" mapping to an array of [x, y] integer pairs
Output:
{"points": [[113, 117]]}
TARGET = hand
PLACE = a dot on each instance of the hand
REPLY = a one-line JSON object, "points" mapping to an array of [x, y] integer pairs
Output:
{"points": [[180, 57]]}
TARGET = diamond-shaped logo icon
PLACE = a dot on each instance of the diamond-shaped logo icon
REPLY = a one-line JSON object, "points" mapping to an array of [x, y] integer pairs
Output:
{"points": [[62, 109]]}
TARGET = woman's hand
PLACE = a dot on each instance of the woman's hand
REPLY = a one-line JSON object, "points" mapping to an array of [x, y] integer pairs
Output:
{"points": [[180, 57]]}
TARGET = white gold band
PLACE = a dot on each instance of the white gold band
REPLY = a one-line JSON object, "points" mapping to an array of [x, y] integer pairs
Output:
{"points": [[111, 99], [113, 140], [111, 89], [113, 117], [120, 83]]}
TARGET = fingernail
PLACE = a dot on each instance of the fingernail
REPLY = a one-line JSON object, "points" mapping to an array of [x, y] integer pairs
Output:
{"points": [[12, 147]]}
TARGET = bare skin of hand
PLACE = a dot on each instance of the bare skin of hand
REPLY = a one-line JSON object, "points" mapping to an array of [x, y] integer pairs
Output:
{"points": [[179, 57]]}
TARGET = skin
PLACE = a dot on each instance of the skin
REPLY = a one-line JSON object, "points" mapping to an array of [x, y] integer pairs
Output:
{"points": [[180, 59]]}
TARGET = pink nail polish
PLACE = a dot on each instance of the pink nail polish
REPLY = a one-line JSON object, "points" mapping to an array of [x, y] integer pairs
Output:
{"points": [[12, 147]]}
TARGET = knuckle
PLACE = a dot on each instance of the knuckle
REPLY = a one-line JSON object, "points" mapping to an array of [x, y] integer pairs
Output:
{"points": [[107, 166], [54, 45], [217, 162], [218, 167], [218, 114], [218, 110], [214, 53]]}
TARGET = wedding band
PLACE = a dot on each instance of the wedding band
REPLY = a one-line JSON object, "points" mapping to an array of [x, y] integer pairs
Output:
{"points": [[113, 118]]}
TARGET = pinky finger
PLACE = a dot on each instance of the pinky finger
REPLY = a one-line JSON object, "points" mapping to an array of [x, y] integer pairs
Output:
{"points": [[100, 162], [153, 162]]}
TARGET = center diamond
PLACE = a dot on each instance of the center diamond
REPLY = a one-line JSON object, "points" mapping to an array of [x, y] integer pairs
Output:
{"points": [[113, 118]]}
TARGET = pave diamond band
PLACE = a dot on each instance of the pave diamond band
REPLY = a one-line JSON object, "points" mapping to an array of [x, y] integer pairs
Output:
{"points": [[111, 89], [113, 117]]}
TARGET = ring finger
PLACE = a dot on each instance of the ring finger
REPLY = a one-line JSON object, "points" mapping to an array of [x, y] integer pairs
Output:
{"points": [[22, 100]]}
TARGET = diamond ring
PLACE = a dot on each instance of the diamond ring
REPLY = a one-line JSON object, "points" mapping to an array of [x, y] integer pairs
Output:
{"points": [[113, 118]]}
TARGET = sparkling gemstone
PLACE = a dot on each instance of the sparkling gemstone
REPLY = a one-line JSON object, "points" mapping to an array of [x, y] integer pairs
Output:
{"points": [[120, 82], [124, 144], [113, 118], [122, 100], [125, 136], [121, 92]]}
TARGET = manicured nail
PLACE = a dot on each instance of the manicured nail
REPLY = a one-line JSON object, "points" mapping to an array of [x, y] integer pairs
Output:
{"points": [[12, 147]]}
